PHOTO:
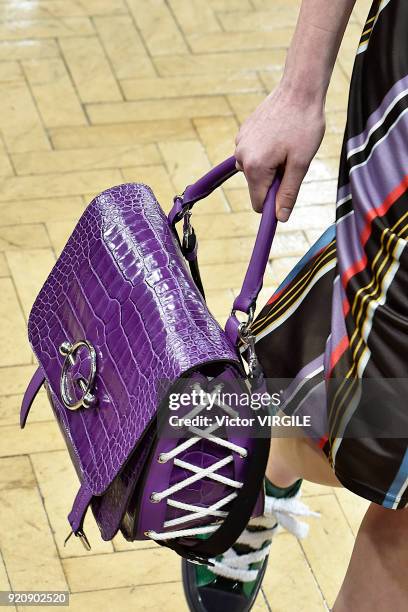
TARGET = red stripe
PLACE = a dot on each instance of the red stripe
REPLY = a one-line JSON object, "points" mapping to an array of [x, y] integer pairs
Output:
{"points": [[366, 232], [322, 441], [340, 349]]}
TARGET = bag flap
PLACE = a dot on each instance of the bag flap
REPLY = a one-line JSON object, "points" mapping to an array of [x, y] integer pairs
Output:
{"points": [[121, 290]]}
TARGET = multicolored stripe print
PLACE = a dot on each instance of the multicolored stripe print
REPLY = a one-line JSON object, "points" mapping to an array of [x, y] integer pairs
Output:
{"points": [[342, 314]]}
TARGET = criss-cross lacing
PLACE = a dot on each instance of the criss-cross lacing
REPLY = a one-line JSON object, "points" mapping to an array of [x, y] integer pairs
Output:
{"points": [[258, 535], [210, 472]]}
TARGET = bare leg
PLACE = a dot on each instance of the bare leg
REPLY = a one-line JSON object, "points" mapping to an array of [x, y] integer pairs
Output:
{"points": [[295, 457], [377, 574]]}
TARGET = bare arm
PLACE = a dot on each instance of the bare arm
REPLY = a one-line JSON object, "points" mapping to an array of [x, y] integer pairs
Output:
{"points": [[287, 128]]}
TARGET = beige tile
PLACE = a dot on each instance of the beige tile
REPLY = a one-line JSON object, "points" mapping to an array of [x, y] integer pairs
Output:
{"points": [[230, 5], [317, 192], [70, 183], [282, 266], [158, 109], [58, 484], [322, 170], [4, 271], [16, 473], [192, 85], [311, 488], [313, 235], [349, 47], [353, 506], [155, 566], [10, 71], [40, 210], [26, 9], [14, 237], [331, 145], [245, 104], [20, 123], [120, 544], [5, 166], [167, 597], [238, 199], [59, 232], [195, 16], [45, 28], [329, 545], [187, 162], [240, 41], [335, 122], [216, 226], [27, 49], [27, 544], [173, 65], [227, 276], [337, 95], [124, 47], [34, 438], [284, 14], [158, 27], [14, 347], [157, 178], [4, 580], [218, 136], [289, 585], [10, 409], [125, 134], [219, 302], [90, 69], [29, 270], [85, 159], [54, 93], [14, 379]]}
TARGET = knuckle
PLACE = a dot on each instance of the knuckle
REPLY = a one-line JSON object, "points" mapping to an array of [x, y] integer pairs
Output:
{"points": [[252, 164]]}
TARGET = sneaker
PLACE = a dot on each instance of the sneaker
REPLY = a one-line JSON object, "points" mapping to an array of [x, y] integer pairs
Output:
{"points": [[232, 582]]}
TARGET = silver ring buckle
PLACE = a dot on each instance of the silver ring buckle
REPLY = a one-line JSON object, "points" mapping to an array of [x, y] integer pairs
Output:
{"points": [[244, 328], [69, 351]]}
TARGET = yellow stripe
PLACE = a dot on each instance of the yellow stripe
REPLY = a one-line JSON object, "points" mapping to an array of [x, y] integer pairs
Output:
{"points": [[296, 289], [389, 258]]}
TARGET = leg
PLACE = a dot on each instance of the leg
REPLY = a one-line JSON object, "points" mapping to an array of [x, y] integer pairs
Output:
{"points": [[376, 577], [297, 457]]}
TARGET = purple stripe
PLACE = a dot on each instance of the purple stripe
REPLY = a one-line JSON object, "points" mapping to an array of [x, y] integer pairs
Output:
{"points": [[338, 326], [399, 86]]}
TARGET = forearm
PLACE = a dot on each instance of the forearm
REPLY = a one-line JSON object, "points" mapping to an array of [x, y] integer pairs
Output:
{"points": [[315, 46]]}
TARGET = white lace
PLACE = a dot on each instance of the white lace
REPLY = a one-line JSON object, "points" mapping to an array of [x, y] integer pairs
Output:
{"points": [[278, 513], [211, 472]]}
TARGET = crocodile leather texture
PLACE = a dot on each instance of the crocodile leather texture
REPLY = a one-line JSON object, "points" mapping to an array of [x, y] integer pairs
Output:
{"points": [[122, 285]]}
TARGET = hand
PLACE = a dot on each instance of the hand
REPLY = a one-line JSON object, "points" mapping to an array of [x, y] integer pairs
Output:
{"points": [[283, 133]]}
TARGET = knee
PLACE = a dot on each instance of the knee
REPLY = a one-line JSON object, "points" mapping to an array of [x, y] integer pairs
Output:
{"points": [[382, 524]]}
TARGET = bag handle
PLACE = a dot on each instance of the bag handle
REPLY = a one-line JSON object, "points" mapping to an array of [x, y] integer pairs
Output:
{"points": [[246, 300]]}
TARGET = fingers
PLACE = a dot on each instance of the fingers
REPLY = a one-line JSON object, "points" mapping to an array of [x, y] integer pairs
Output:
{"points": [[259, 178], [294, 173]]}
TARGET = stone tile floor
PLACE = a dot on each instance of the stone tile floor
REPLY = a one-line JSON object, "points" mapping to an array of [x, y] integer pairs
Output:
{"points": [[94, 93]]}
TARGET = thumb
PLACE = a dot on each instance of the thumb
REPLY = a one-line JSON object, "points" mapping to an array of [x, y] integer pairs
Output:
{"points": [[289, 189]]}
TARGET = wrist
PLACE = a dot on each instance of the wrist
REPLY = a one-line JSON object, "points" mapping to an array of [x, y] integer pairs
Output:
{"points": [[301, 90]]}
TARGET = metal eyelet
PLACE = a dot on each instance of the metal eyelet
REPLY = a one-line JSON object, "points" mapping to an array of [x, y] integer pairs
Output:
{"points": [[153, 498], [160, 458]]}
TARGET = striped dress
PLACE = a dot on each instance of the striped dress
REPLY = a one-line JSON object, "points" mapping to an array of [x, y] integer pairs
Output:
{"points": [[340, 318]]}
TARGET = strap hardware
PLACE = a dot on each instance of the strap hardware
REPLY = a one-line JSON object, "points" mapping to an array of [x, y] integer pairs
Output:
{"points": [[81, 535]]}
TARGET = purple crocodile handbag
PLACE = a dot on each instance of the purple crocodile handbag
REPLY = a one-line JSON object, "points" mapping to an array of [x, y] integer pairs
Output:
{"points": [[119, 325]]}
